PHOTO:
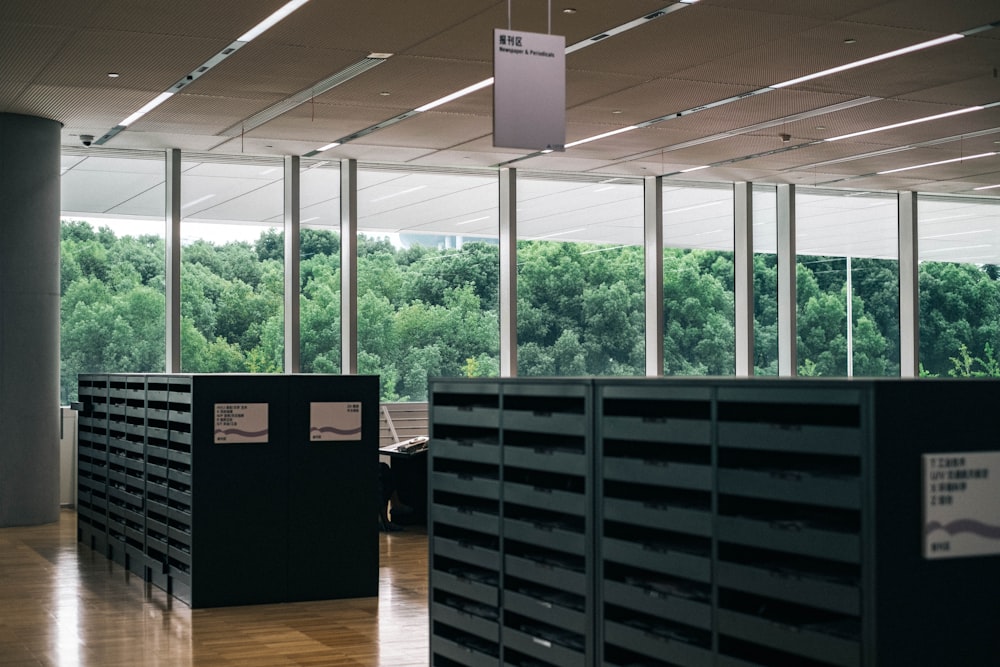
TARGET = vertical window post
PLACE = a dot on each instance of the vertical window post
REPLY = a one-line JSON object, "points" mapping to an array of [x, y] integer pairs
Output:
{"points": [[653, 226], [349, 266], [508, 272], [909, 292], [743, 265], [292, 258], [787, 302], [173, 260]]}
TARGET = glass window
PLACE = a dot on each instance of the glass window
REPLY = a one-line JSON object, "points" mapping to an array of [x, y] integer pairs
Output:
{"points": [[698, 275], [765, 280], [959, 251], [112, 263], [319, 269], [580, 277], [428, 277], [232, 265], [847, 245]]}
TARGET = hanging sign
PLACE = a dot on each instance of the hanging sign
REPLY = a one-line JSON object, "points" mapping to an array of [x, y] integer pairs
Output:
{"points": [[334, 421], [240, 422], [529, 90], [961, 504]]}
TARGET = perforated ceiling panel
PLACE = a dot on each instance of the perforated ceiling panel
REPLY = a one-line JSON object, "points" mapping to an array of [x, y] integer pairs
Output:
{"points": [[56, 58]]}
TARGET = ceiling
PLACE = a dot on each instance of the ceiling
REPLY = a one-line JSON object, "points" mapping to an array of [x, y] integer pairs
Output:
{"points": [[56, 57]]}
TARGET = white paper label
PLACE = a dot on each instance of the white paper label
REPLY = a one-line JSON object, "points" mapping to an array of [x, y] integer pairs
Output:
{"points": [[961, 504], [240, 422], [334, 421]]}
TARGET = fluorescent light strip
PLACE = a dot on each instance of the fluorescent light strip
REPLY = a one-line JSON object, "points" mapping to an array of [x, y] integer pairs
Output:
{"points": [[873, 59], [624, 27], [943, 236], [200, 71], [987, 187], [935, 164], [454, 96], [489, 82], [197, 201], [603, 135], [955, 248], [149, 106], [271, 20], [915, 121], [398, 194], [332, 144], [808, 77], [468, 222], [568, 231], [305, 95], [690, 169]]}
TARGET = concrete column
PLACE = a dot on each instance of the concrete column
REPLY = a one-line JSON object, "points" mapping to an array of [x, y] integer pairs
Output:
{"points": [[29, 320], [743, 261]]}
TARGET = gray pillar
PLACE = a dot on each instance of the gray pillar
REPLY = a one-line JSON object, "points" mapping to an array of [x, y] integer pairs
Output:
{"points": [[29, 320], [349, 267], [653, 230], [508, 272], [909, 288], [743, 261], [293, 343], [788, 360], [173, 260]]}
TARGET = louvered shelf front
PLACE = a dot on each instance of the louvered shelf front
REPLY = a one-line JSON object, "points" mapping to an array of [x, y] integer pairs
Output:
{"points": [[705, 522], [464, 526]]}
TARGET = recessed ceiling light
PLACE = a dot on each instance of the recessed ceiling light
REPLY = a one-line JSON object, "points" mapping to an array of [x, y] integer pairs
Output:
{"points": [[113, 75], [987, 187], [569, 10], [384, 93], [821, 127], [617, 111], [850, 40]]}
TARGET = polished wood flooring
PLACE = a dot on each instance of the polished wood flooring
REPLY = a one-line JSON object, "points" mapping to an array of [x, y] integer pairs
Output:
{"points": [[64, 605]]}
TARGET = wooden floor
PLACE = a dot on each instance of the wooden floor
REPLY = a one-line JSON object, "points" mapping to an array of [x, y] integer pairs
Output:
{"points": [[62, 604]]}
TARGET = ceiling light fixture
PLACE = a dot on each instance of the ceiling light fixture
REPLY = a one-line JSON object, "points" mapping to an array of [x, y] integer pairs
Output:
{"points": [[332, 144], [603, 135], [113, 75], [915, 121], [454, 96], [563, 233], [873, 59], [699, 168], [196, 74], [282, 106], [469, 222], [987, 187], [935, 164], [397, 194], [271, 20], [488, 82]]}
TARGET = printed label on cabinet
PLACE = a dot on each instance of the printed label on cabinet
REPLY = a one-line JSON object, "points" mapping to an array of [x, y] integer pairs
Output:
{"points": [[240, 422], [961, 504], [334, 421]]}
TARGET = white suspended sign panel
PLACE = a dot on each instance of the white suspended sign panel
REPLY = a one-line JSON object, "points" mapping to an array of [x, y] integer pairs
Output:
{"points": [[529, 90]]}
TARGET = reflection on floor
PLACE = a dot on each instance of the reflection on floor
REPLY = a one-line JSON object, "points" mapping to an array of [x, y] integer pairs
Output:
{"points": [[63, 605]]}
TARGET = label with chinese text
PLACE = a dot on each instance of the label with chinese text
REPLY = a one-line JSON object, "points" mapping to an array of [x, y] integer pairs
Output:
{"points": [[961, 504], [240, 422]]}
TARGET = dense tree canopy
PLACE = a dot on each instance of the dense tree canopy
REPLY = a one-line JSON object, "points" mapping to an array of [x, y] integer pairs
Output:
{"points": [[426, 311]]}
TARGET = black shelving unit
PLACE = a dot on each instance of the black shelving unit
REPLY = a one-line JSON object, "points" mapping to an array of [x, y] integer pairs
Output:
{"points": [[464, 527], [735, 522], [511, 524], [227, 523]]}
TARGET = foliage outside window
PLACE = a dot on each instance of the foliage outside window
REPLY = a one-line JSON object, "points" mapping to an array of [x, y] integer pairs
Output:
{"points": [[428, 278], [838, 233], [232, 267], [959, 283], [698, 274], [580, 278]]}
